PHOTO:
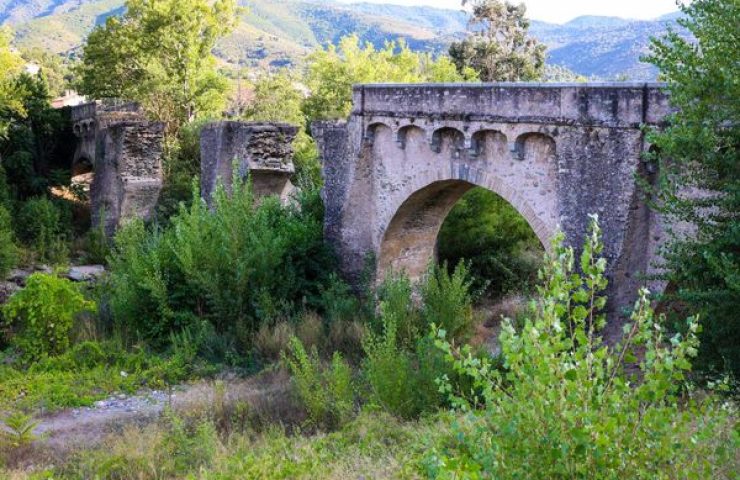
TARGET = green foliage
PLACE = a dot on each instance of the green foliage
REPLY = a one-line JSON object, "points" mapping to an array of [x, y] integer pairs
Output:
{"points": [[181, 165], [499, 48], [159, 54], [39, 226], [174, 448], [401, 365], [236, 265], [326, 393], [181, 447], [87, 372], [388, 371], [333, 71], [11, 105], [34, 155], [398, 310], [97, 244], [698, 152], [447, 302], [8, 250], [568, 406], [54, 69], [41, 315], [18, 430], [487, 232], [277, 98]]}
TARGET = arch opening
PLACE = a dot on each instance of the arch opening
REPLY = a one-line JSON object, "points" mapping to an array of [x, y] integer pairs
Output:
{"points": [[455, 220]]}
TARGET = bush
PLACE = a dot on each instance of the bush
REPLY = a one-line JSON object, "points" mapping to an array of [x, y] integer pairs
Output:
{"points": [[310, 330], [237, 265], [387, 369], [97, 244], [39, 226], [8, 250], [326, 393], [42, 314], [270, 342], [447, 302], [398, 310], [566, 405], [346, 337]]}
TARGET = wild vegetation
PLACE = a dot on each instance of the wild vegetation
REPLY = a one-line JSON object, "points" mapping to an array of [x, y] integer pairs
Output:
{"points": [[699, 152], [387, 379]]}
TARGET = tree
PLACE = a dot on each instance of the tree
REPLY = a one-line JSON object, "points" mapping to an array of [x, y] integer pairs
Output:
{"points": [[54, 68], [33, 156], [499, 48], [159, 54], [11, 105], [699, 181], [278, 98], [333, 71]]}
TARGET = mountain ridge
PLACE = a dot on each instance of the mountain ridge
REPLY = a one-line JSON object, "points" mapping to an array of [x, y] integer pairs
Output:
{"points": [[276, 33]]}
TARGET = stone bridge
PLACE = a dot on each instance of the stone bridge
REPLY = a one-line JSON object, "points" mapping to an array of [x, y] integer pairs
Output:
{"points": [[556, 152], [88, 120], [122, 152]]}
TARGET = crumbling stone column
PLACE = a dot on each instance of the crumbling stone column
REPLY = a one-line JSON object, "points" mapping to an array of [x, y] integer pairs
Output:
{"points": [[128, 173], [264, 151]]}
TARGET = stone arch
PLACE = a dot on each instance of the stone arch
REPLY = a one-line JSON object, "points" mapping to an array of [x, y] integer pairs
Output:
{"points": [[448, 139], [484, 143], [372, 130], [534, 146], [82, 165], [408, 241], [405, 131]]}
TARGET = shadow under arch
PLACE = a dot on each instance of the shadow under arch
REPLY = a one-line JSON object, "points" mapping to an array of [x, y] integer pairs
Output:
{"points": [[409, 241]]}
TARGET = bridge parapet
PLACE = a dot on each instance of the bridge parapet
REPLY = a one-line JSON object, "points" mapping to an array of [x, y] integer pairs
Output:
{"points": [[615, 105]]}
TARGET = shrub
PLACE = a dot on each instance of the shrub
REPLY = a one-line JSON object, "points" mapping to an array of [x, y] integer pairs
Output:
{"points": [[346, 337], [97, 244], [8, 250], [236, 265], [18, 431], [310, 330], [42, 314], [447, 302], [271, 342], [338, 301], [566, 406], [398, 310], [326, 393], [39, 226], [388, 368]]}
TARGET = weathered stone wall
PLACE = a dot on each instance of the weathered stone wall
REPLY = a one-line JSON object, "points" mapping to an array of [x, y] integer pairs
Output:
{"points": [[264, 151], [88, 120], [556, 152], [128, 173]]}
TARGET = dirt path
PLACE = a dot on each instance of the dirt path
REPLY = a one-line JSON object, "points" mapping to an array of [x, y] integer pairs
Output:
{"points": [[73, 429]]}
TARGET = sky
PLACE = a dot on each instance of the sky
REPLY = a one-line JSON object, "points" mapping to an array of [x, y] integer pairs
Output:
{"points": [[560, 11]]}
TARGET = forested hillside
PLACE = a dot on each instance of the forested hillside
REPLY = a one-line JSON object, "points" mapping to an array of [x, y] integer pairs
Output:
{"points": [[275, 33]]}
